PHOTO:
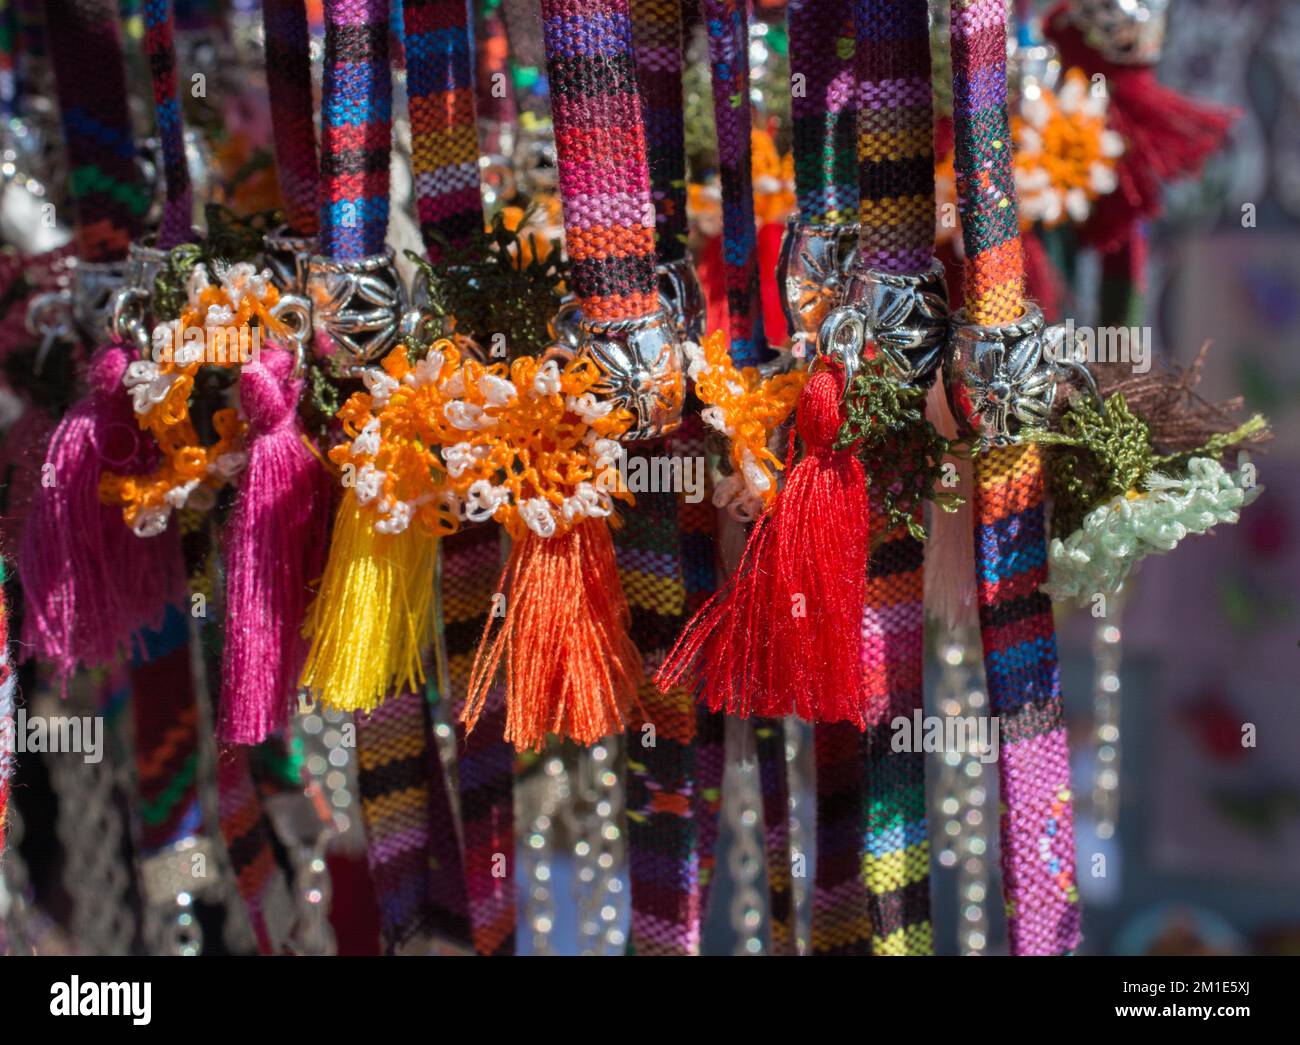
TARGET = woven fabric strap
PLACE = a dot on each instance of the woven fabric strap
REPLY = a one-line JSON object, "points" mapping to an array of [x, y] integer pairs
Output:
{"points": [[160, 50], [411, 843], [8, 688], [727, 25], [109, 199], [165, 709], [471, 566], [288, 85], [356, 129], [774, 785], [823, 110], [657, 34], [444, 135], [662, 830], [895, 134], [1019, 635], [492, 64], [8, 59], [601, 149], [247, 832]]}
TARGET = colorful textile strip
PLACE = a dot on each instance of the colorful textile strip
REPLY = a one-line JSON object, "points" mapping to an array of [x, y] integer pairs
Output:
{"points": [[1019, 635], [166, 736], [109, 200], [841, 922], [663, 859], [247, 833], [657, 35], [471, 566], [728, 33], [773, 777], [8, 690], [288, 85], [404, 800], [895, 134], [8, 58], [896, 863], [356, 129], [601, 148], [823, 110], [160, 50], [444, 136]]}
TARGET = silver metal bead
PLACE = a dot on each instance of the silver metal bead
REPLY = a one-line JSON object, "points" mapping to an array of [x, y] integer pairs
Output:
{"points": [[131, 313], [358, 305], [1126, 32], [813, 272], [288, 256], [905, 316], [1001, 381], [641, 366], [682, 297]]}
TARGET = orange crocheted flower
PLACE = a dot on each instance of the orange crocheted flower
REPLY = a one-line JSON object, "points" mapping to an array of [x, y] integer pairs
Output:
{"points": [[220, 325], [747, 408]]}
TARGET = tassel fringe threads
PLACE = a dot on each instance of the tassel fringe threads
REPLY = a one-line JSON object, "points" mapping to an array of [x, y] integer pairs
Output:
{"points": [[374, 614], [571, 667]]}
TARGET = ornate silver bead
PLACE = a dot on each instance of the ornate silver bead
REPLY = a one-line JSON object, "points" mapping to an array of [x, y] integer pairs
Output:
{"points": [[813, 272], [131, 311], [905, 316], [357, 305], [641, 367], [288, 256], [682, 297], [1001, 381], [1126, 32]]}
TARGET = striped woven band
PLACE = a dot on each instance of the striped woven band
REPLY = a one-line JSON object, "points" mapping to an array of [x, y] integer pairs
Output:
{"points": [[657, 34], [895, 134], [727, 24], [823, 110], [356, 129], [600, 145], [108, 197], [160, 50], [1019, 635], [444, 136], [288, 84]]}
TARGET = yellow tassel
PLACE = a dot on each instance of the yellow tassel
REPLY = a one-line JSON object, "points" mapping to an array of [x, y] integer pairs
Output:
{"points": [[374, 614]]}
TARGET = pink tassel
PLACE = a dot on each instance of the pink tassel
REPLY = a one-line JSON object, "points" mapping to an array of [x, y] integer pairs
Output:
{"points": [[949, 551], [88, 581], [275, 546]]}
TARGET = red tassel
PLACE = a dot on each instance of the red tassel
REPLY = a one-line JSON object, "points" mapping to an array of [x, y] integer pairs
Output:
{"points": [[785, 635], [1166, 135]]}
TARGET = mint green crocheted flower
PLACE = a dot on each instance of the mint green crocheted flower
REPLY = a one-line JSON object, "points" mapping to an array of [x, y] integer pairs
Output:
{"points": [[1100, 554]]}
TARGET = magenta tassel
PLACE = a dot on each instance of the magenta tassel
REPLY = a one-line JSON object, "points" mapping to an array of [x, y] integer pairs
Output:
{"points": [[88, 581], [275, 547]]}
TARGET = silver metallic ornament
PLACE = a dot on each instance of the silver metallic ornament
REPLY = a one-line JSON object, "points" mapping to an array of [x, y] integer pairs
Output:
{"points": [[1126, 32], [288, 256], [357, 305], [813, 272], [905, 316], [682, 297], [131, 311], [1002, 380]]}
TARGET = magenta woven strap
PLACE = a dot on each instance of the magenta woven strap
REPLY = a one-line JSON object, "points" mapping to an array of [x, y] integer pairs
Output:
{"points": [[356, 129], [160, 48], [600, 145], [288, 85]]}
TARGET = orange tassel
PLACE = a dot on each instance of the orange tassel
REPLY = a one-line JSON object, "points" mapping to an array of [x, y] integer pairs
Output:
{"points": [[571, 667]]}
